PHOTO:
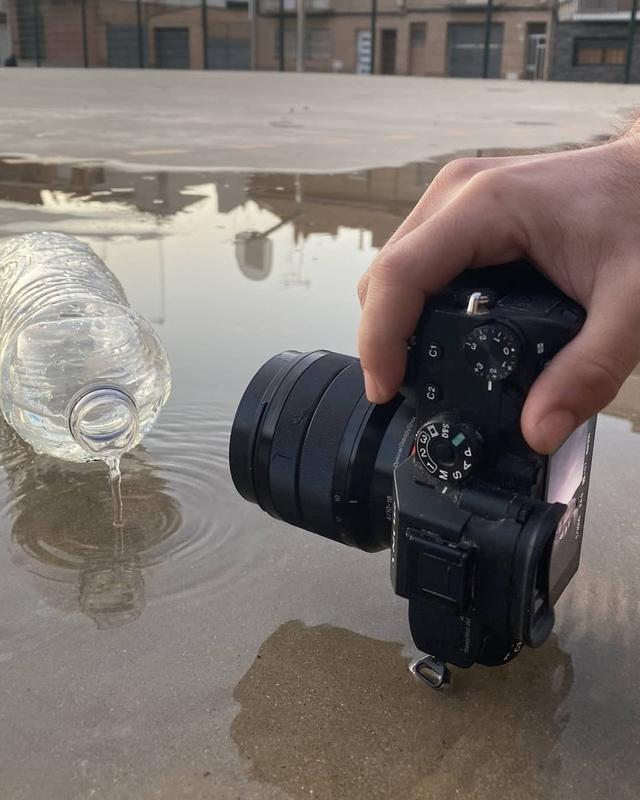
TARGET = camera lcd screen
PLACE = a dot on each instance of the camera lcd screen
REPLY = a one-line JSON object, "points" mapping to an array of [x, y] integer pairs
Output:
{"points": [[567, 482]]}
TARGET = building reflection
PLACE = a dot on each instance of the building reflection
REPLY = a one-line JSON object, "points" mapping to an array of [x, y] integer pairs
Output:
{"points": [[373, 202], [61, 521], [152, 191]]}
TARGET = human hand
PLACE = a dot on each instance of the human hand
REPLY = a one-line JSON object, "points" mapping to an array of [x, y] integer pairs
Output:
{"points": [[576, 216]]}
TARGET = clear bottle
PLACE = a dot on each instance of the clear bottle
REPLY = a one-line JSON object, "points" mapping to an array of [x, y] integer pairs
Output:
{"points": [[82, 376]]}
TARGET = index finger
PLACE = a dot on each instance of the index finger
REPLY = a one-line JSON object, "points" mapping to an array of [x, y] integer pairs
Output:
{"points": [[414, 267]]}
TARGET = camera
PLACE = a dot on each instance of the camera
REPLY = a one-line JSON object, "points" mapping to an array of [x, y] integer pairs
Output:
{"points": [[485, 534]]}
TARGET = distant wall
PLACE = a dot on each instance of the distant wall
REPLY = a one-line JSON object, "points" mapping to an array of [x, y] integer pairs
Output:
{"points": [[563, 52]]}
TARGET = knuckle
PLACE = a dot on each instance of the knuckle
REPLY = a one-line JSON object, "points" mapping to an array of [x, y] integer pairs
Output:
{"points": [[460, 170], [491, 185], [386, 268]]}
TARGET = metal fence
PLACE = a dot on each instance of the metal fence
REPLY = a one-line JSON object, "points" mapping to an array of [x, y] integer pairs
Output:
{"points": [[358, 36]]}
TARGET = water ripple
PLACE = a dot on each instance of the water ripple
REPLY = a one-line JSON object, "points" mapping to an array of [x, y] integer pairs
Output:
{"points": [[183, 519]]}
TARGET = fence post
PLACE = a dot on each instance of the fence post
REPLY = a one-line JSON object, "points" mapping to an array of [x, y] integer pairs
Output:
{"points": [[487, 39], [253, 19], [281, 35], [140, 34], [35, 5], [205, 30], [85, 43], [300, 38], [630, 41], [374, 22]]}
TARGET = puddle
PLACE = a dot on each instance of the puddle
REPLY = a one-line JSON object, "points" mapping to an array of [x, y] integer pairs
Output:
{"points": [[167, 662], [338, 699]]}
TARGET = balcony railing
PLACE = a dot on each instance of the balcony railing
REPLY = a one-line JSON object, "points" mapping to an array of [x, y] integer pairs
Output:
{"points": [[290, 6], [595, 9]]}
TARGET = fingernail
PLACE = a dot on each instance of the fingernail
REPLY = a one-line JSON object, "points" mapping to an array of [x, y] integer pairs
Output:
{"points": [[372, 388], [553, 429]]}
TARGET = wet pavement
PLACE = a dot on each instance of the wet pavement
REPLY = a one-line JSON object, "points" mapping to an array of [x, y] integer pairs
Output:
{"points": [[213, 652], [287, 121]]}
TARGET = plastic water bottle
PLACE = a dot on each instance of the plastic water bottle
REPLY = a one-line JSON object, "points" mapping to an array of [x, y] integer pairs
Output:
{"points": [[82, 376]]}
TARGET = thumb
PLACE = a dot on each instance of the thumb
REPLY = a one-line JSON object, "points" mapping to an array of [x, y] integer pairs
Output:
{"points": [[585, 375]]}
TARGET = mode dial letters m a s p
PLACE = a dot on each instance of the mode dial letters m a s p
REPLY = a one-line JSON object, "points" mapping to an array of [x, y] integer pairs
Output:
{"points": [[448, 448]]}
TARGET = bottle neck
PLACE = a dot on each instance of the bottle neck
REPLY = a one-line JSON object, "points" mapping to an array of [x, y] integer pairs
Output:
{"points": [[104, 421]]}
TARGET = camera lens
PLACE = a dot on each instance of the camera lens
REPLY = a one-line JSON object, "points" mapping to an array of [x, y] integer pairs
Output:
{"points": [[308, 447]]}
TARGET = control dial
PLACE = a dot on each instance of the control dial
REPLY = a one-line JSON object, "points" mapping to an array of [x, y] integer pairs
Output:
{"points": [[448, 448], [493, 351]]}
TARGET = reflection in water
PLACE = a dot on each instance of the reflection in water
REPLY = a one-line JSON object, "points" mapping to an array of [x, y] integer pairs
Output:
{"points": [[373, 200], [62, 526], [329, 713], [221, 262], [61, 516]]}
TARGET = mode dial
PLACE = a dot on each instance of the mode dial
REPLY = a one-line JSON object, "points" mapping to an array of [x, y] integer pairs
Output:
{"points": [[493, 351], [448, 448]]}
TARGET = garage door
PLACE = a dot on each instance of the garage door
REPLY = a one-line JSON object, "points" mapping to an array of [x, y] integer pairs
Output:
{"points": [[223, 53], [122, 46], [465, 50], [172, 48]]}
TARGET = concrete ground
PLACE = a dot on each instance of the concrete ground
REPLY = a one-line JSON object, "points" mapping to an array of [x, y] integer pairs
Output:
{"points": [[270, 121], [259, 662]]}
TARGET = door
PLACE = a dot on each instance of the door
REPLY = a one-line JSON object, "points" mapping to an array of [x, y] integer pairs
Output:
{"points": [[224, 53], [465, 50], [388, 51], [536, 51], [363, 52], [172, 48], [123, 44], [417, 48]]}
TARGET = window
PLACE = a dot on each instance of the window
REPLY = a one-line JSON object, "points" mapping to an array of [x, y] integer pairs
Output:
{"points": [[588, 52], [418, 34], [317, 43]]}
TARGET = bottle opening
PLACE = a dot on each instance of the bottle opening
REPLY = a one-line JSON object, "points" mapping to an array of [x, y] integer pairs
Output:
{"points": [[104, 421]]}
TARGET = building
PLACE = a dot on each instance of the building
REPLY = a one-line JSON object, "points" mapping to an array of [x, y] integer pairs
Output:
{"points": [[441, 38], [412, 38], [590, 41], [126, 33]]}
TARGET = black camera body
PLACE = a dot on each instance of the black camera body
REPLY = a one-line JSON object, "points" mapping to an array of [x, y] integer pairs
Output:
{"points": [[473, 535], [485, 534]]}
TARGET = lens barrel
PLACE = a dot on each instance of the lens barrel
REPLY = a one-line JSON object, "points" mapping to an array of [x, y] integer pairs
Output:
{"points": [[308, 447]]}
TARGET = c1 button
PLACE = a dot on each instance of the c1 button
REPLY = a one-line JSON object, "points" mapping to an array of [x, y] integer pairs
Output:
{"points": [[434, 350]]}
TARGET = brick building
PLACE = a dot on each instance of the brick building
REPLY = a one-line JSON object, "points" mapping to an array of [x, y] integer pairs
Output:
{"points": [[124, 33], [412, 38], [590, 41]]}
